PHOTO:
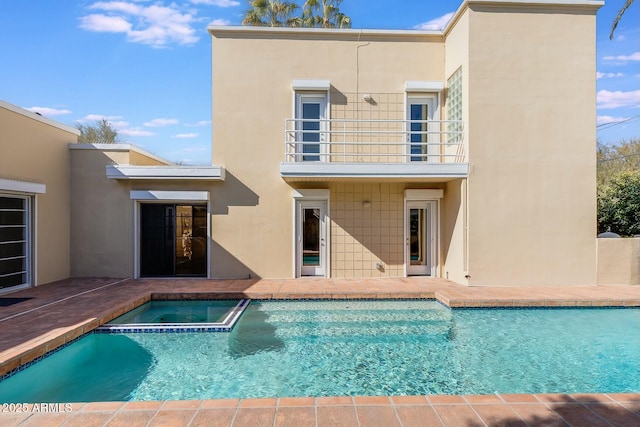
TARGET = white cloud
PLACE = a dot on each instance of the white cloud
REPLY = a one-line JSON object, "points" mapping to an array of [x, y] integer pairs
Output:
{"points": [[47, 111], [220, 22], [621, 38], [155, 123], [623, 58], [97, 117], [194, 149], [186, 135], [436, 24], [607, 99], [154, 25], [198, 124], [600, 75], [219, 3], [135, 132], [602, 120]]}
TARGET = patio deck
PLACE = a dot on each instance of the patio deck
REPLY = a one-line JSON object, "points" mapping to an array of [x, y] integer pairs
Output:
{"points": [[60, 312]]}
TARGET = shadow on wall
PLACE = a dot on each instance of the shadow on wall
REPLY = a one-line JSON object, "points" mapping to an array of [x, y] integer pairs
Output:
{"points": [[233, 193], [226, 266]]}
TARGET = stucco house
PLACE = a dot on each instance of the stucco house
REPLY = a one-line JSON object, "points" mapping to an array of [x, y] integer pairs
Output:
{"points": [[466, 154]]}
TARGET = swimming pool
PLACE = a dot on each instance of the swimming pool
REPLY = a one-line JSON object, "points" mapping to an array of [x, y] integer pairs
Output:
{"points": [[328, 348]]}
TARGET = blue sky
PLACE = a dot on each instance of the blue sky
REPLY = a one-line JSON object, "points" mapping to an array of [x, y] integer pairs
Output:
{"points": [[145, 65]]}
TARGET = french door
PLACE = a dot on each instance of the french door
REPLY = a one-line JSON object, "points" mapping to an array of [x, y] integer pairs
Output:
{"points": [[310, 112], [311, 242], [173, 240], [421, 238], [420, 112]]}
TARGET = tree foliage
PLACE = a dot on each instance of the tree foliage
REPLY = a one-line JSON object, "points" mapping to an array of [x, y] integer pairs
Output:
{"points": [[619, 188], [282, 13], [100, 133], [619, 204], [618, 17]]}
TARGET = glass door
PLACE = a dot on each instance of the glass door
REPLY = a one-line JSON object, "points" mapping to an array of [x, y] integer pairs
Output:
{"points": [[420, 235], [173, 240], [419, 113], [310, 115], [311, 238]]}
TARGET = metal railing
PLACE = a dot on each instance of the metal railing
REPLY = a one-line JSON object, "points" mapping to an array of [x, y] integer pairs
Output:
{"points": [[374, 141]]}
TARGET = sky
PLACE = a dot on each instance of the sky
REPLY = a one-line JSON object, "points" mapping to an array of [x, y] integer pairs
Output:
{"points": [[145, 65]]}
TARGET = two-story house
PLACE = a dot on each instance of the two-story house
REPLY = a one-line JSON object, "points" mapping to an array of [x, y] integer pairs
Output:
{"points": [[467, 153]]}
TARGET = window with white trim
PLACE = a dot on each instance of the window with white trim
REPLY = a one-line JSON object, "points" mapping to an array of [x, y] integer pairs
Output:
{"points": [[311, 126], [14, 241]]}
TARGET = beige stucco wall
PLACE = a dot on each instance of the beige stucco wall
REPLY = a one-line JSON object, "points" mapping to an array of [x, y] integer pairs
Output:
{"points": [[531, 139], [619, 261], [34, 149], [102, 217], [253, 218]]}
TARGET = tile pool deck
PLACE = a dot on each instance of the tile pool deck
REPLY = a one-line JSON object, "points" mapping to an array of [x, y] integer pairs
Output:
{"points": [[62, 311]]}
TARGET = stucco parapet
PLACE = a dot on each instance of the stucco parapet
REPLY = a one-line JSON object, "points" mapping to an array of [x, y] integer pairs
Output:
{"points": [[38, 117], [238, 31], [124, 148], [591, 5]]}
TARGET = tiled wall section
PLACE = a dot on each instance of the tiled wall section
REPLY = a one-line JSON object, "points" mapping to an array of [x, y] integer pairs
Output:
{"points": [[372, 141], [362, 236]]}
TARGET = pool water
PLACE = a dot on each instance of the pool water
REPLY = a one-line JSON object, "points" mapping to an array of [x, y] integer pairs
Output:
{"points": [[206, 311], [333, 348]]}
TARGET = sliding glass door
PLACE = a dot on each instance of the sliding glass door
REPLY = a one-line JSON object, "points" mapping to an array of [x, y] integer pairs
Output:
{"points": [[173, 240]]}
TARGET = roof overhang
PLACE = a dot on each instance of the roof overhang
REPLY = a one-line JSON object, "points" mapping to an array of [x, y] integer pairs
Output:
{"points": [[166, 173]]}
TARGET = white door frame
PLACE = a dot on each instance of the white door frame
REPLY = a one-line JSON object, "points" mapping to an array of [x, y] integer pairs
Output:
{"points": [[431, 101], [322, 268], [429, 200], [321, 99]]}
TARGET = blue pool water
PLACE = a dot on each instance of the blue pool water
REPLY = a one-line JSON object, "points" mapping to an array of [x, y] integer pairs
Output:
{"points": [[205, 311], [327, 348]]}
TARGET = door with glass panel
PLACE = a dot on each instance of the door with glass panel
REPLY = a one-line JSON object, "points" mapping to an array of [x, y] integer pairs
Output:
{"points": [[310, 112], [421, 239], [419, 114], [173, 240], [311, 249], [14, 242]]}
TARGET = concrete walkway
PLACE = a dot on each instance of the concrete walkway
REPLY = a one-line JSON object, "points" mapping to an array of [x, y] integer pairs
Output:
{"points": [[60, 312]]}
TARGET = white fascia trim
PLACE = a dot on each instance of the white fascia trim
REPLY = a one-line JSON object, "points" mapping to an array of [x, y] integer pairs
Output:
{"points": [[373, 170], [329, 32], [196, 196], [22, 186], [206, 173], [423, 86], [423, 194], [34, 116], [119, 148], [311, 194], [311, 84]]}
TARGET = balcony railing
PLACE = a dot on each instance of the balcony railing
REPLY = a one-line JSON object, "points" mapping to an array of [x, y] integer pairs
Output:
{"points": [[374, 141]]}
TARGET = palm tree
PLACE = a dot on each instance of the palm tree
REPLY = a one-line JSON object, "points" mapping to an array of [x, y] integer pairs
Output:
{"points": [[271, 13], [620, 13], [324, 14]]}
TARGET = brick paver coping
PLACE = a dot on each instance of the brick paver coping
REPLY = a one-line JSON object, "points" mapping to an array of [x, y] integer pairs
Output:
{"points": [[60, 312]]}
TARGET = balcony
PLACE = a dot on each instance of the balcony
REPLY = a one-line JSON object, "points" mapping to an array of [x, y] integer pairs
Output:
{"points": [[344, 149]]}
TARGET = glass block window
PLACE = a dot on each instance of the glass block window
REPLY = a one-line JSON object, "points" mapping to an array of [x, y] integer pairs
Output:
{"points": [[454, 105], [14, 241]]}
